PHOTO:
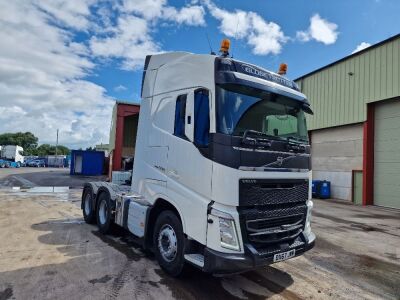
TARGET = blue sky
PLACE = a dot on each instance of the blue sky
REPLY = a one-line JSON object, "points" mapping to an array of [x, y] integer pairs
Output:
{"points": [[64, 62], [359, 21]]}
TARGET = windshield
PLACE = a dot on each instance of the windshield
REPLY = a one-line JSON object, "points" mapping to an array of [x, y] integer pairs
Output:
{"points": [[241, 108]]}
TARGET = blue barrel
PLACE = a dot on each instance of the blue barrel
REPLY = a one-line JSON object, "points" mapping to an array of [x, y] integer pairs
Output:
{"points": [[324, 189], [315, 185]]}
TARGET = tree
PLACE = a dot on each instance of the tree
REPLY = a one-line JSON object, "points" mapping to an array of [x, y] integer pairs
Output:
{"points": [[29, 142], [26, 140], [46, 149]]}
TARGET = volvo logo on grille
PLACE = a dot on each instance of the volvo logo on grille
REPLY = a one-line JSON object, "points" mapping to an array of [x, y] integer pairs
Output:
{"points": [[249, 181]]}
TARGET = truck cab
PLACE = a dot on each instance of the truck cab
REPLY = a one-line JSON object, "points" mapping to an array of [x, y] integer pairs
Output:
{"points": [[13, 154], [222, 175]]}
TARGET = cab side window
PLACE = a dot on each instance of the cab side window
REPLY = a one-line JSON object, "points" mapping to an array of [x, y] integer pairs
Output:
{"points": [[201, 117], [180, 113]]}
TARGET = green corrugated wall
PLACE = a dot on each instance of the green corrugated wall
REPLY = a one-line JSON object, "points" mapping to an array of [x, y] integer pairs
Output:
{"points": [[339, 99]]}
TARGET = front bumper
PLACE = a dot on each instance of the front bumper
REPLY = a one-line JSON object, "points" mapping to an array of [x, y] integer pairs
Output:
{"points": [[229, 263]]}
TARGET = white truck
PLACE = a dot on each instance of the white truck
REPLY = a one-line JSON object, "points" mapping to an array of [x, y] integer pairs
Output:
{"points": [[222, 176], [12, 153]]}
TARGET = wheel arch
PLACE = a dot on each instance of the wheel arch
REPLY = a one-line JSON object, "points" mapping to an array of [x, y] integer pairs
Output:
{"points": [[160, 205]]}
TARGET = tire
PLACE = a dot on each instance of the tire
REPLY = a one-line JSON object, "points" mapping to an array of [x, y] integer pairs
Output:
{"points": [[168, 231], [103, 213], [89, 213]]}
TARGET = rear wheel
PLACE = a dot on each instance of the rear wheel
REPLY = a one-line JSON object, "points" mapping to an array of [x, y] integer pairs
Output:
{"points": [[168, 242], [104, 213], [87, 206]]}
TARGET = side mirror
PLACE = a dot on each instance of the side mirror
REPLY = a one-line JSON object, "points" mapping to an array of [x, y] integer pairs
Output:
{"points": [[189, 121]]}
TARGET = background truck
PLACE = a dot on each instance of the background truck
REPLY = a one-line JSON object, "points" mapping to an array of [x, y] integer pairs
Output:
{"points": [[222, 177], [11, 156]]}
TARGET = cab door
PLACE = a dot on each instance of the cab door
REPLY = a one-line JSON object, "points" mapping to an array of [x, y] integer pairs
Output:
{"points": [[189, 170]]}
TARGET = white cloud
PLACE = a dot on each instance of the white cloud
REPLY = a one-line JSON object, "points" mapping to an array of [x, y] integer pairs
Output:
{"points": [[44, 63], [149, 9], [72, 13], [130, 38], [264, 37], [41, 79], [361, 46], [189, 15], [153, 10], [120, 88], [320, 30]]}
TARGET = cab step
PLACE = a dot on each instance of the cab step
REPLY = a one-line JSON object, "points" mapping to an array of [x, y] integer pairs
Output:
{"points": [[196, 259]]}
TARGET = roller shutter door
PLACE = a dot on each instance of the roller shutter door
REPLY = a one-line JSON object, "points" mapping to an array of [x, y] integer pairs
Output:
{"points": [[387, 154]]}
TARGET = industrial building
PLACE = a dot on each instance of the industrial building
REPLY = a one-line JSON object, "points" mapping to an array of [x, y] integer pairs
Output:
{"points": [[355, 129]]}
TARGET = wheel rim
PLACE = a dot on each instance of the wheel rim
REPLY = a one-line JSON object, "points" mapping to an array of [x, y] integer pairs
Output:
{"points": [[167, 243], [103, 212], [87, 204]]}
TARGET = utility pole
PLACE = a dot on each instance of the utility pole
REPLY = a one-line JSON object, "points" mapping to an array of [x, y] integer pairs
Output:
{"points": [[57, 142]]}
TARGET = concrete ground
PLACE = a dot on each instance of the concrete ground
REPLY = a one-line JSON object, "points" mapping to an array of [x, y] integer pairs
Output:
{"points": [[30, 177], [48, 252]]}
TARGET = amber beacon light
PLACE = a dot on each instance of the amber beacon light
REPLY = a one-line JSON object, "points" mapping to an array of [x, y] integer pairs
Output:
{"points": [[225, 44], [282, 69]]}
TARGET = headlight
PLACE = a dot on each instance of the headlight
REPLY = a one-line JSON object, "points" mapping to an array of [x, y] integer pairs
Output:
{"points": [[307, 228], [227, 230]]}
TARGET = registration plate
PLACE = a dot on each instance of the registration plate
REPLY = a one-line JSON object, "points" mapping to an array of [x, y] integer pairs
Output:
{"points": [[284, 255]]}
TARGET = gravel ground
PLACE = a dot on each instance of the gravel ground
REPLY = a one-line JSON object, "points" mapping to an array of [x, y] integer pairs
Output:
{"points": [[48, 252]]}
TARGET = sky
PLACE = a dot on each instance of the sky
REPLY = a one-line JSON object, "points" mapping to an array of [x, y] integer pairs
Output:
{"points": [[63, 63]]}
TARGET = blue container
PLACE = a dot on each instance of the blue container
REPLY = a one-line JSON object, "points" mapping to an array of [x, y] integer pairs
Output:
{"points": [[325, 190], [315, 184], [89, 163]]}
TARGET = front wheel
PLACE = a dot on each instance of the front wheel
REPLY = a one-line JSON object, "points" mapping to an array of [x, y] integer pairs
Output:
{"points": [[104, 213], [168, 242]]}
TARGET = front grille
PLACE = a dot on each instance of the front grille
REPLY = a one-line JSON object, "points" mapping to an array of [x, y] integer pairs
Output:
{"points": [[272, 191], [263, 224], [278, 216]]}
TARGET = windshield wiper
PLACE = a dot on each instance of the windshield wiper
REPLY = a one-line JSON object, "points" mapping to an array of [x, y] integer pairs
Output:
{"points": [[296, 139], [280, 160], [260, 134], [296, 144], [258, 138]]}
